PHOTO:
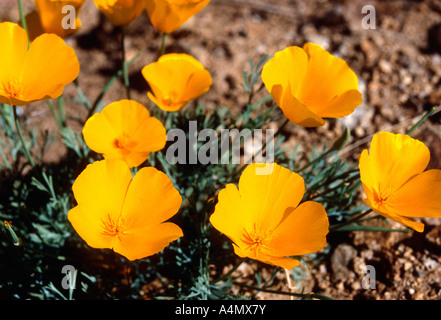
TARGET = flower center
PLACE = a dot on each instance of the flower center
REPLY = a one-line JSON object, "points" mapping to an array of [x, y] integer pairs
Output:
{"points": [[381, 196], [10, 89], [256, 240], [111, 227], [123, 143], [170, 99]]}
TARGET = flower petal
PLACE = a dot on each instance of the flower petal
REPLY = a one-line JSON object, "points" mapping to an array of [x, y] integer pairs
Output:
{"points": [[48, 67], [102, 187], [327, 77], [417, 226], [303, 231], [14, 45], [267, 196], [151, 199], [89, 226], [419, 197], [99, 190], [147, 241], [392, 160], [226, 217]]}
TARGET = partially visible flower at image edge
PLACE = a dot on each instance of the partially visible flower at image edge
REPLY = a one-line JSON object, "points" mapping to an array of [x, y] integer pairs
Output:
{"points": [[124, 130], [310, 84], [127, 215], [394, 180], [121, 12], [169, 15], [39, 73], [49, 16], [175, 79], [264, 220]]}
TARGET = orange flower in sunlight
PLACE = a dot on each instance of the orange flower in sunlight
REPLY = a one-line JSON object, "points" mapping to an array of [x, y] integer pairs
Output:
{"points": [[175, 79], [169, 15], [310, 84], [124, 130], [127, 215], [264, 220], [39, 73], [121, 12], [54, 16], [394, 182]]}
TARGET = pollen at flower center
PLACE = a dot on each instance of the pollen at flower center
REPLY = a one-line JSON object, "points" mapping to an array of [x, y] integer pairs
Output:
{"points": [[256, 240], [381, 196], [10, 89], [111, 227], [124, 143]]}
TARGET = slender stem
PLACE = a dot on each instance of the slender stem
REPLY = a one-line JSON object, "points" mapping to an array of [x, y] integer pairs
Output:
{"points": [[300, 295], [54, 114], [354, 219], [288, 282], [324, 155], [20, 135], [424, 118], [124, 65], [275, 135], [23, 18], [164, 38]]}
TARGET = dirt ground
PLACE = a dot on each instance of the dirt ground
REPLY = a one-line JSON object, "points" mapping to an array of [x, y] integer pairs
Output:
{"points": [[399, 67]]}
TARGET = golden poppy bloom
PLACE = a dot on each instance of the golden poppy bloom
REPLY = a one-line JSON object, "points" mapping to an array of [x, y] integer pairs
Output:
{"points": [[169, 15], [394, 182], [39, 73], [310, 84], [124, 130], [264, 220], [175, 79], [49, 18], [127, 215], [121, 12]]}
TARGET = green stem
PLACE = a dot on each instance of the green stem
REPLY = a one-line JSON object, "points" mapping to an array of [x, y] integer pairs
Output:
{"points": [[23, 18], [424, 118], [20, 135], [164, 38], [124, 65], [300, 295], [354, 219], [54, 114]]}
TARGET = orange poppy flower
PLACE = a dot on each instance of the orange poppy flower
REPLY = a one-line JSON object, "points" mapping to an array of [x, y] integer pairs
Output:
{"points": [[121, 12], [264, 220], [39, 73], [310, 84], [175, 79], [394, 180], [49, 18], [127, 215], [124, 130], [169, 15]]}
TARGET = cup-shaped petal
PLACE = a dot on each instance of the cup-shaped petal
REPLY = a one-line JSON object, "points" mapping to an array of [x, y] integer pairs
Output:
{"points": [[127, 215], [39, 73], [124, 130], [394, 182], [121, 12], [264, 220], [169, 15], [175, 79], [310, 84]]}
